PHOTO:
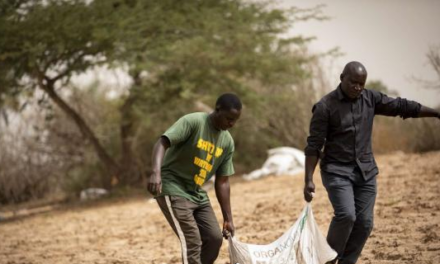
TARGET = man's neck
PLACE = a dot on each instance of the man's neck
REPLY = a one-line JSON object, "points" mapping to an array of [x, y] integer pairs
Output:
{"points": [[212, 119]]}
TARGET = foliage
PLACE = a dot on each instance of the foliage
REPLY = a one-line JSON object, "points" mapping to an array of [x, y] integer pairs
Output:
{"points": [[178, 54], [224, 46], [50, 39], [378, 85], [43, 44]]}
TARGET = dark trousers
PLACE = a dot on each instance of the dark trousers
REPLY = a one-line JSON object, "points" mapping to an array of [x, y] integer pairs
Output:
{"points": [[196, 226], [353, 201]]}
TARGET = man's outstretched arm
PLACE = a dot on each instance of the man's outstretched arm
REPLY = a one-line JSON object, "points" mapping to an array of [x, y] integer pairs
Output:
{"points": [[155, 180], [223, 193], [402, 107]]}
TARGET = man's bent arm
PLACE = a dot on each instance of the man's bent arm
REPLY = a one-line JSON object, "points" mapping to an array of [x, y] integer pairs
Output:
{"points": [[223, 192], [309, 187], [155, 180]]}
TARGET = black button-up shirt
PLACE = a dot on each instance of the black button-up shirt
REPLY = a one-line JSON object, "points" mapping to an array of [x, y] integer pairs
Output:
{"points": [[343, 127]]}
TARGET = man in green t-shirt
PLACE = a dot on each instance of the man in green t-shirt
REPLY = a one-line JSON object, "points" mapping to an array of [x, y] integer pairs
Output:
{"points": [[197, 147]]}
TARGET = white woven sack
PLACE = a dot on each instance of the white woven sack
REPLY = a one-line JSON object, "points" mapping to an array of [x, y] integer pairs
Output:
{"points": [[303, 243]]}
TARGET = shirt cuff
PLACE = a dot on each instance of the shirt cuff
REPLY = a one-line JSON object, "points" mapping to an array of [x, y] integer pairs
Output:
{"points": [[312, 152]]}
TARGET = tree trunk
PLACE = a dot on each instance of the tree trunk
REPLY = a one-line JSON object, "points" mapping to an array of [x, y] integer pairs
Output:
{"points": [[132, 173], [111, 168], [128, 164]]}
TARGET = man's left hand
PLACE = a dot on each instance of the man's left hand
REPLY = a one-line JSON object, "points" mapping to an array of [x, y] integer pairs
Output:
{"points": [[228, 229]]}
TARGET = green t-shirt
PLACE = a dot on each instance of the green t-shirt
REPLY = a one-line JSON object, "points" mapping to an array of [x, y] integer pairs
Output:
{"points": [[198, 151]]}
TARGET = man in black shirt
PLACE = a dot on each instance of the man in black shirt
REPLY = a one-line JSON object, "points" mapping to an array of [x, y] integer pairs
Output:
{"points": [[342, 123]]}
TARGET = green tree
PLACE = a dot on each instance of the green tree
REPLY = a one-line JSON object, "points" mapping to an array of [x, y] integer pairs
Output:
{"points": [[43, 44], [194, 50], [176, 53]]}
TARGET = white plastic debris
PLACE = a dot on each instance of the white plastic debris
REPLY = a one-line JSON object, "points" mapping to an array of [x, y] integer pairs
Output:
{"points": [[281, 161], [92, 194], [303, 243]]}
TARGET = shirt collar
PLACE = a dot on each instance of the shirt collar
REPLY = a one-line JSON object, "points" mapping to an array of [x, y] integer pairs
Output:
{"points": [[339, 92], [342, 96]]}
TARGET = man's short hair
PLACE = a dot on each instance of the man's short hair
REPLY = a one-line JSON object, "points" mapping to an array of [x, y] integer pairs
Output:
{"points": [[227, 102], [354, 66]]}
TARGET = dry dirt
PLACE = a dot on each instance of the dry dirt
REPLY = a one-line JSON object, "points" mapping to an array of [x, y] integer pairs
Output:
{"points": [[134, 231]]}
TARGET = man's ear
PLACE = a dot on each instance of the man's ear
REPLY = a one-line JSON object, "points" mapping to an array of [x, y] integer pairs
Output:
{"points": [[341, 76]]}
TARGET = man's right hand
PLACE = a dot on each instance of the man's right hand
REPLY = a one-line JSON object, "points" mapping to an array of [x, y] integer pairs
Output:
{"points": [[309, 190], [155, 184], [228, 229]]}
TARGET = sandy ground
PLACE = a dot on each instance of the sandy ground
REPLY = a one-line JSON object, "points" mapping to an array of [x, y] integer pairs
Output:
{"points": [[134, 231]]}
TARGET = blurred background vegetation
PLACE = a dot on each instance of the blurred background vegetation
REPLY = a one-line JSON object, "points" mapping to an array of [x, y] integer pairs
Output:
{"points": [[61, 135]]}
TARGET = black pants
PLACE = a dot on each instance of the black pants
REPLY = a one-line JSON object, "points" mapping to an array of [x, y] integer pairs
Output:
{"points": [[196, 226], [353, 201]]}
